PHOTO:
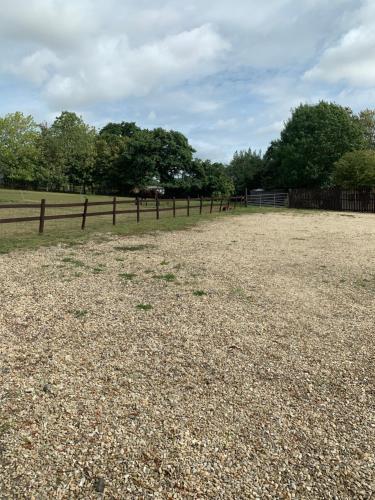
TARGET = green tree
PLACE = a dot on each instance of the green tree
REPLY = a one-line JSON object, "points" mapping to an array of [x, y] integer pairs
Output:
{"points": [[367, 121], [19, 148], [313, 139], [355, 170], [246, 169], [123, 129], [69, 150], [204, 178], [149, 157]]}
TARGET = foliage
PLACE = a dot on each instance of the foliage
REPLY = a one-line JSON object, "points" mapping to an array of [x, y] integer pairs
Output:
{"points": [[123, 129], [204, 178], [69, 150], [367, 121], [19, 152], [355, 170], [313, 139], [246, 170]]}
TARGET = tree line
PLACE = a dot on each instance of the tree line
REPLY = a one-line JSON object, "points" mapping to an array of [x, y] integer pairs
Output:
{"points": [[321, 145], [121, 158]]}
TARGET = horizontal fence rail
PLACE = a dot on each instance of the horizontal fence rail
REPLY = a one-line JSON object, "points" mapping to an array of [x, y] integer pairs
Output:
{"points": [[264, 199], [141, 206], [333, 199]]}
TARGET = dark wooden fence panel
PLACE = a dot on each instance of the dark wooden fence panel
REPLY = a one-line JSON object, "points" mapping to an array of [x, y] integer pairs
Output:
{"points": [[333, 199]]}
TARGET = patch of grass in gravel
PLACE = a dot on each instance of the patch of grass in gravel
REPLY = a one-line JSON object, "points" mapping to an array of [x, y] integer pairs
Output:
{"points": [[79, 313], [144, 307], [199, 293], [99, 268], [127, 276], [133, 248], [73, 262], [367, 283], [164, 263], [239, 293], [170, 277]]}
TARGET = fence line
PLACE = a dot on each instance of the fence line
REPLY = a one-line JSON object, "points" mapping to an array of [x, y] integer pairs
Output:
{"points": [[267, 199], [43, 206], [333, 199]]}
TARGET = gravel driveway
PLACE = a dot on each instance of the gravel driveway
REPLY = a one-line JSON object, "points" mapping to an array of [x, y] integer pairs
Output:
{"points": [[233, 360]]}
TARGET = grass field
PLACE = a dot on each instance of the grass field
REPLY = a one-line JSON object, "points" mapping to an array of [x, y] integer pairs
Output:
{"points": [[25, 234], [234, 360]]}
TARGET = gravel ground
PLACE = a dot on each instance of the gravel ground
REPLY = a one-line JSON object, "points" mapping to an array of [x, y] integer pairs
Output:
{"points": [[247, 371]]}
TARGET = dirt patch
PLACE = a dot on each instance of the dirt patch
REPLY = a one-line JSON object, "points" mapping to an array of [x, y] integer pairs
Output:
{"points": [[249, 375]]}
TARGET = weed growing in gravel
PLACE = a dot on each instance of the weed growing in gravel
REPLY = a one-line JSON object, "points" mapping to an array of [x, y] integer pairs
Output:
{"points": [[166, 277], [164, 263], [119, 259], [367, 283], [98, 270], [239, 292], [133, 248], [144, 307], [127, 276], [199, 293], [74, 262], [79, 313]]}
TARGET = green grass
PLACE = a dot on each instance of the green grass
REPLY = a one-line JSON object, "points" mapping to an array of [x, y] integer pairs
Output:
{"points": [[74, 262], [79, 313], [133, 248], [24, 235], [166, 277], [144, 307], [199, 293], [128, 276]]}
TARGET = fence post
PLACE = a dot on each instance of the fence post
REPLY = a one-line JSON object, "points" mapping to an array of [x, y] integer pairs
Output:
{"points": [[138, 211], [174, 206], [114, 211], [42, 215], [157, 209], [84, 214], [212, 204], [188, 206], [246, 197], [221, 204], [201, 206]]}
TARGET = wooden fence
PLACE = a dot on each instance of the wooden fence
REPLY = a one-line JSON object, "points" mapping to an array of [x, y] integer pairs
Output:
{"points": [[333, 199], [118, 207]]}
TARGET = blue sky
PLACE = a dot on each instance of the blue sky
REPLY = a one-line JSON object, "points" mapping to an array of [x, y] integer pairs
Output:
{"points": [[225, 73]]}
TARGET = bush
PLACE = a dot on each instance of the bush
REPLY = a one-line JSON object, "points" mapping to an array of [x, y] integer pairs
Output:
{"points": [[355, 170]]}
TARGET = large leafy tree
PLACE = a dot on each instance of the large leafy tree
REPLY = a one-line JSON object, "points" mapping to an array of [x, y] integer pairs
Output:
{"points": [[19, 148], [246, 169], [367, 121], [314, 138], [356, 170], [69, 150], [142, 157], [123, 129]]}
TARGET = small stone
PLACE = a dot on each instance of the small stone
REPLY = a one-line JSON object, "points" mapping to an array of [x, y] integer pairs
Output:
{"points": [[47, 388], [99, 484]]}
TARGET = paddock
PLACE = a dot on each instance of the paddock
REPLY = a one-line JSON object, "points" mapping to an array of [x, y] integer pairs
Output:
{"points": [[231, 360]]}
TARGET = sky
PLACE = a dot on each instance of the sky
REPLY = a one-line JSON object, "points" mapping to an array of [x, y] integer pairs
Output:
{"points": [[225, 73]]}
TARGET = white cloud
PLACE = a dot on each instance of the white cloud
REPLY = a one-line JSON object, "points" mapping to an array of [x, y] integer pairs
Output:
{"points": [[109, 68], [225, 73], [352, 58]]}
